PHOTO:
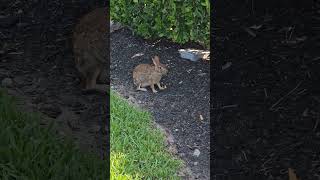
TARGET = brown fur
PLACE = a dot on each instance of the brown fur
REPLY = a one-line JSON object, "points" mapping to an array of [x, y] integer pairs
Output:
{"points": [[149, 74], [90, 49]]}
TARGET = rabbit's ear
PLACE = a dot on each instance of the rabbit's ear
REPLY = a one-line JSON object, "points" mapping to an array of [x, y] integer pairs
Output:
{"points": [[156, 61]]}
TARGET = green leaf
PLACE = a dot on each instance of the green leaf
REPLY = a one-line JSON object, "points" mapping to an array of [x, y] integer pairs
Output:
{"points": [[155, 18]]}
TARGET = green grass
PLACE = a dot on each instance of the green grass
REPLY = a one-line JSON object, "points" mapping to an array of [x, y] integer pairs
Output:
{"points": [[137, 149], [31, 152]]}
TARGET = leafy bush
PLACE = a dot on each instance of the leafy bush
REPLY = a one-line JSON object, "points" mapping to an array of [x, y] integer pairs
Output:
{"points": [[179, 20]]}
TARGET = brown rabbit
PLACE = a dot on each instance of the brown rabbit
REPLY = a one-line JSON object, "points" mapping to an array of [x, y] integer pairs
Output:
{"points": [[149, 74], [90, 50]]}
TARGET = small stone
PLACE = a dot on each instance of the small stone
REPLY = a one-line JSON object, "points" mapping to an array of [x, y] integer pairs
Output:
{"points": [[114, 26], [7, 82], [176, 130], [172, 150], [194, 54], [187, 54], [186, 173], [170, 138], [196, 153], [201, 117], [195, 163]]}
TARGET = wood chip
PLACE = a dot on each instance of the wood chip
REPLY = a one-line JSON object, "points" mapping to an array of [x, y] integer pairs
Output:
{"points": [[255, 27], [249, 31], [226, 66], [201, 117]]}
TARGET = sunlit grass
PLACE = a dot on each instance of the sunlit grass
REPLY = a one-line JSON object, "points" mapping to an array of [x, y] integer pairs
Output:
{"points": [[137, 149]]}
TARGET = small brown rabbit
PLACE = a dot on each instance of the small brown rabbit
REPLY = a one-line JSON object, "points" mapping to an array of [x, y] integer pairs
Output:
{"points": [[90, 50], [149, 74]]}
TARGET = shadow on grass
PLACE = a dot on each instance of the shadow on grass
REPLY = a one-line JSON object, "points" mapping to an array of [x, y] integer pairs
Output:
{"points": [[30, 151]]}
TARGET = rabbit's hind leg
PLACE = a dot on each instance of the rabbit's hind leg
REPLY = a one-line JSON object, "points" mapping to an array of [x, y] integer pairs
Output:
{"points": [[139, 88], [160, 87], [91, 82], [153, 89], [91, 78]]}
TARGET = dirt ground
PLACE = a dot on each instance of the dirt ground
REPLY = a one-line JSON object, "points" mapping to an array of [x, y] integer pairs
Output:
{"points": [[37, 65], [266, 90], [177, 108]]}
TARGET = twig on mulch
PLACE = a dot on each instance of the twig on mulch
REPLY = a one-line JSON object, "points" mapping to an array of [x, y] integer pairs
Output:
{"points": [[284, 97], [226, 107], [249, 31]]}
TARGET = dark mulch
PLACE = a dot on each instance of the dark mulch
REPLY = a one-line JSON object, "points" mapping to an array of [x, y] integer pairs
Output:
{"points": [[177, 108], [36, 54], [267, 103]]}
